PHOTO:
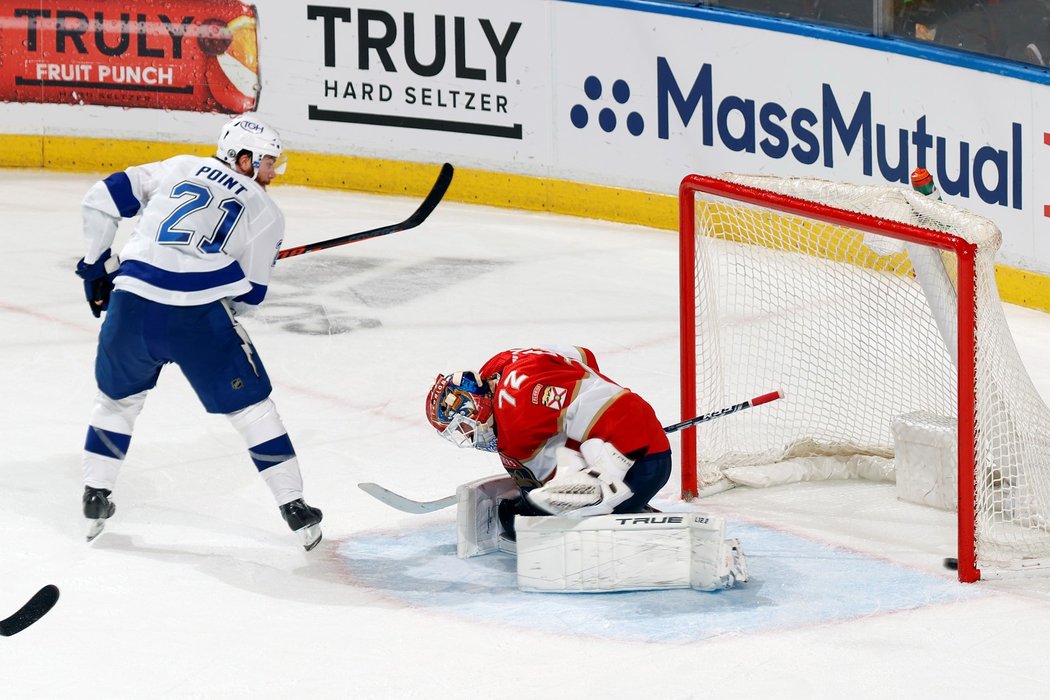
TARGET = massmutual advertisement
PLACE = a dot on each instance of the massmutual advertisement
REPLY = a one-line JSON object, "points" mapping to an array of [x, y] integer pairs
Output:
{"points": [[685, 100]]}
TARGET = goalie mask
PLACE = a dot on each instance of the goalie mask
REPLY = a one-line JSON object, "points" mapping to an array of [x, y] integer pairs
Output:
{"points": [[459, 408], [246, 133]]}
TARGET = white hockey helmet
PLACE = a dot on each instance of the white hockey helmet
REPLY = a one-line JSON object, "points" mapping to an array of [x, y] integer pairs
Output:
{"points": [[248, 133]]}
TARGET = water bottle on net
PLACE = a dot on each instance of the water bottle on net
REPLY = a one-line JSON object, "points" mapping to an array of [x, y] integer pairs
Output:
{"points": [[922, 182]]}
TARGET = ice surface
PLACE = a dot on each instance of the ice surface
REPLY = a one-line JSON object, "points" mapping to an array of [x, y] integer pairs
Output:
{"points": [[197, 589]]}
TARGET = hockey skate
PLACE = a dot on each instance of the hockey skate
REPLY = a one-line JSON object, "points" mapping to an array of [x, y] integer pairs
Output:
{"points": [[305, 522], [97, 508]]}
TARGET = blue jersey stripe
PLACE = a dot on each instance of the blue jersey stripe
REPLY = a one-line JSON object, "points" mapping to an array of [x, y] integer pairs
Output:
{"points": [[107, 443], [119, 186], [255, 296], [182, 281]]}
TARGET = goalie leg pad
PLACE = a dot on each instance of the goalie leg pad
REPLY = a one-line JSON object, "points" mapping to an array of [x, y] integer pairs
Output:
{"points": [[628, 552], [716, 562], [477, 516]]}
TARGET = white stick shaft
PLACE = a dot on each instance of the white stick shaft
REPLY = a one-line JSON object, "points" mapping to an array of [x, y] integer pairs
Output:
{"points": [[406, 505]]}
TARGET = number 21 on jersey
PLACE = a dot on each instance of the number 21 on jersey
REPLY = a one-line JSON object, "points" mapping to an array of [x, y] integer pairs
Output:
{"points": [[185, 222]]}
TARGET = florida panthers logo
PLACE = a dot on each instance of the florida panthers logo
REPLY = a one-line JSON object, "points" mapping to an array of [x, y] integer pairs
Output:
{"points": [[552, 397]]}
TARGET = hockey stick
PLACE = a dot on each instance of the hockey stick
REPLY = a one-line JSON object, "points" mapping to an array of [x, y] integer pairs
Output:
{"points": [[757, 401], [33, 610], [420, 215], [408, 505]]}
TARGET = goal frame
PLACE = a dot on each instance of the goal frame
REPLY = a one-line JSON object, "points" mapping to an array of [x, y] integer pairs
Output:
{"points": [[965, 253]]}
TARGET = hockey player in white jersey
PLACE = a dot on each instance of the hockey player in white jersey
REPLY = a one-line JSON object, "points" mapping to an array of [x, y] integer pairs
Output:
{"points": [[203, 248]]}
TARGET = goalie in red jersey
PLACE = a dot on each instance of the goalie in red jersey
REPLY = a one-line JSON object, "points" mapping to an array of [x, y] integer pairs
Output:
{"points": [[575, 442]]}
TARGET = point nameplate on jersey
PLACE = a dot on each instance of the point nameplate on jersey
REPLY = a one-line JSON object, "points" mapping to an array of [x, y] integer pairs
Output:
{"points": [[222, 176]]}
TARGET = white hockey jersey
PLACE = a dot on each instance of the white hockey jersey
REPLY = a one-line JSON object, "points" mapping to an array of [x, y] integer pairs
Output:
{"points": [[205, 232]]}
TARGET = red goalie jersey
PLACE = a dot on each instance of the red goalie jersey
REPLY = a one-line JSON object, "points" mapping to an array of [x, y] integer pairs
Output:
{"points": [[547, 398]]}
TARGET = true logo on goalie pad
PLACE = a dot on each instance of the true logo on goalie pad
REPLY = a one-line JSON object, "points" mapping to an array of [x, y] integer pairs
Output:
{"points": [[650, 520]]}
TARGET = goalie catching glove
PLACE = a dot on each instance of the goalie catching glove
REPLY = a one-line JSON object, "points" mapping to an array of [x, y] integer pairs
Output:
{"points": [[588, 482]]}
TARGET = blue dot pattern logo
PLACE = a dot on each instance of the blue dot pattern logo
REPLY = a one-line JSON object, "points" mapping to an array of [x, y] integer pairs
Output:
{"points": [[608, 116]]}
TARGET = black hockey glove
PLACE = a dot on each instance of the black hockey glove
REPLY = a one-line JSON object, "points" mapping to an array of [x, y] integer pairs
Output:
{"points": [[98, 281]]}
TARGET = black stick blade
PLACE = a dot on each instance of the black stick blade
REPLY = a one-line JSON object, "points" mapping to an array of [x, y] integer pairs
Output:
{"points": [[36, 608], [437, 191]]}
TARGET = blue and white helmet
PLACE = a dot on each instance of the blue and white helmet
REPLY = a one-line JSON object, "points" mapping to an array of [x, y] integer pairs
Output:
{"points": [[249, 133]]}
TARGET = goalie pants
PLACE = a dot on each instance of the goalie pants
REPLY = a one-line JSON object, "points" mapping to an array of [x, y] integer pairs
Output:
{"points": [[645, 478]]}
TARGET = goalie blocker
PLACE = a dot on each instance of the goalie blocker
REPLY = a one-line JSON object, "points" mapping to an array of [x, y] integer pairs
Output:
{"points": [[626, 552]]}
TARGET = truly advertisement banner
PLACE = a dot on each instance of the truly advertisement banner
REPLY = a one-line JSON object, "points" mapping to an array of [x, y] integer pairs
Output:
{"points": [[417, 75], [692, 96], [195, 55]]}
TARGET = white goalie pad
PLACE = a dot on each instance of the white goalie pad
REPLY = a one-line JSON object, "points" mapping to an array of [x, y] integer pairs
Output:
{"points": [[629, 552], [477, 521]]}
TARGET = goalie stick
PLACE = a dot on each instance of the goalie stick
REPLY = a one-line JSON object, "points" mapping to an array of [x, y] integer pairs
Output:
{"points": [[420, 215], [757, 401], [408, 505], [37, 606]]}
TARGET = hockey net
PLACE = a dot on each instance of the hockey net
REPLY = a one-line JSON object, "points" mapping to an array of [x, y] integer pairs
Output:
{"points": [[863, 304]]}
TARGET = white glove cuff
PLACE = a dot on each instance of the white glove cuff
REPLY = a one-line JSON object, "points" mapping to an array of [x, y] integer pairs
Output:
{"points": [[605, 459]]}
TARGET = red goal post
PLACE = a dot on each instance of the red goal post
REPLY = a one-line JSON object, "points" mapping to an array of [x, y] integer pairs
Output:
{"points": [[783, 278]]}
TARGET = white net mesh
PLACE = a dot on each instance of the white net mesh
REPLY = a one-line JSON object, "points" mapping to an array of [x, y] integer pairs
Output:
{"points": [[858, 329]]}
